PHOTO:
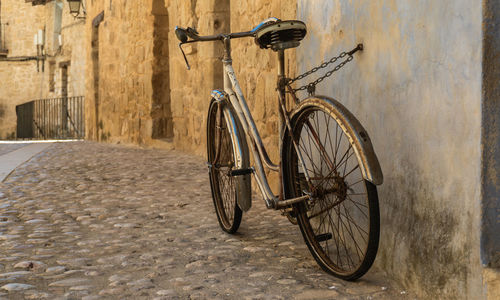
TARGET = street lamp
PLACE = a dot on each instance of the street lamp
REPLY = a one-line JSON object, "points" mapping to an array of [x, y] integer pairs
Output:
{"points": [[74, 8]]}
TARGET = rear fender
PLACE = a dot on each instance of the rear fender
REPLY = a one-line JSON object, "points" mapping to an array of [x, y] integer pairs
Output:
{"points": [[362, 145]]}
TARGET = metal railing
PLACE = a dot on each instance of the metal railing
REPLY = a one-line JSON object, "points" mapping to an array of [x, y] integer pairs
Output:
{"points": [[57, 118]]}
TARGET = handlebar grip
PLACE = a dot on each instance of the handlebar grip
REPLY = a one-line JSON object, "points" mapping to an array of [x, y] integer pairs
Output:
{"points": [[181, 34]]}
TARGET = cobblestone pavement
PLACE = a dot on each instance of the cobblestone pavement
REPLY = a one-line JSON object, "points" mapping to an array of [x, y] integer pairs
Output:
{"points": [[96, 221]]}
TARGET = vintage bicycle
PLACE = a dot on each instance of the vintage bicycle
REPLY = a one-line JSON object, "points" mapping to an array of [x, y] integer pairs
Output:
{"points": [[328, 169]]}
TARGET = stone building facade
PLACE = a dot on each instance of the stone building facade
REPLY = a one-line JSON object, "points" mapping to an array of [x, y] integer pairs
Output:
{"points": [[138, 88], [27, 73], [425, 89], [143, 88]]}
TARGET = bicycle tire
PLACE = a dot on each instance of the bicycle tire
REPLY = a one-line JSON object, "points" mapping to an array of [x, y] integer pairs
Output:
{"points": [[225, 188], [341, 224]]}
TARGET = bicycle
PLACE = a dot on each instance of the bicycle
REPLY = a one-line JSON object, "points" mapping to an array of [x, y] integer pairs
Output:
{"points": [[327, 186]]}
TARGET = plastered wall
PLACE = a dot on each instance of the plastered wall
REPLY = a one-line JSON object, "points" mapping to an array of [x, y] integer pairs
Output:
{"points": [[417, 90]]}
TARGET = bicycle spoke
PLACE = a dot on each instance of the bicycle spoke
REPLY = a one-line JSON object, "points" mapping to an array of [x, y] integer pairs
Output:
{"points": [[342, 235], [362, 232], [355, 224], [221, 158], [342, 161], [357, 206], [336, 221], [349, 230], [353, 169]]}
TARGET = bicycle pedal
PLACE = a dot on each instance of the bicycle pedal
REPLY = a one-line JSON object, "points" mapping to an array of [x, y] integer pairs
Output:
{"points": [[324, 237], [239, 172]]}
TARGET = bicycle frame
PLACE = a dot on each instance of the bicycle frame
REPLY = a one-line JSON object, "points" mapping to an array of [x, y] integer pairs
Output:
{"points": [[237, 100], [305, 185]]}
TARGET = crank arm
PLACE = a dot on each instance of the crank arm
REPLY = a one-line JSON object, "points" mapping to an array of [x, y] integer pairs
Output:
{"points": [[285, 203]]}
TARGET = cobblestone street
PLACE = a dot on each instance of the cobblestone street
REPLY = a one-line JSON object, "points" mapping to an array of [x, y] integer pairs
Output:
{"points": [[88, 221]]}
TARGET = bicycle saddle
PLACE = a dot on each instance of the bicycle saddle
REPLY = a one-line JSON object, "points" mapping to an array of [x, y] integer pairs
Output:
{"points": [[280, 35]]}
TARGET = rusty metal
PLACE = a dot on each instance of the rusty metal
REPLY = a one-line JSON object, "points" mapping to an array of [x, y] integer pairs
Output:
{"points": [[289, 202], [362, 146], [311, 87], [24, 114], [56, 118]]}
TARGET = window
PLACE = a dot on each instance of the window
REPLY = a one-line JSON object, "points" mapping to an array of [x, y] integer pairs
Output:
{"points": [[52, 74], [3, 47]]}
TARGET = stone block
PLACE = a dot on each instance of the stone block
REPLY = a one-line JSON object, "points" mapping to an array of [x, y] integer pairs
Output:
{"points": [[146, 130], [491, 282]]}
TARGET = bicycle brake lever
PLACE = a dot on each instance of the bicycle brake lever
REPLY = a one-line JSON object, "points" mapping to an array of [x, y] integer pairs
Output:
{"points": [[185, 58], [192, 31]]}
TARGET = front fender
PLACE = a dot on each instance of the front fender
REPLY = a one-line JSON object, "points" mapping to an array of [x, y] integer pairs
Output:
{"points": [[240, 150]]}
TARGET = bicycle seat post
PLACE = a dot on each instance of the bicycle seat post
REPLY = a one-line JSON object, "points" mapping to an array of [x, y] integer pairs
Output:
{"points": [[281, 113], [227, 49], [281, 88], [281, 62]]}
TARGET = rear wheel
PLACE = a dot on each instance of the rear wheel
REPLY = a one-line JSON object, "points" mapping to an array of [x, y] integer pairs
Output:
{"points": [[340, 225], [221, 159]]}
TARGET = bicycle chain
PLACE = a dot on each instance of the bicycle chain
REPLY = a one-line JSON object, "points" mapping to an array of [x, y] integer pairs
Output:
{"points": [[311, 87]]}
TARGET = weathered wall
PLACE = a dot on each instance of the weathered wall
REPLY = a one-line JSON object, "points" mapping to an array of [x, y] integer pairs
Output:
{"points": [[257, 69], [190, 90], [72, 51], [144, 91], [417, 90], [117, 109], [20, 81], [127, 93], [490, 140], [491, 134]]}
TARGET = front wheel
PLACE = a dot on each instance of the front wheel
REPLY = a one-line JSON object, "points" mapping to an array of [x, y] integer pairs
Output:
{"points": [[340, 225], [227, 190]]}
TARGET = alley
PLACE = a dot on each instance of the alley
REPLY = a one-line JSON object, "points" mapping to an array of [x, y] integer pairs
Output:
{"points": [[86, 220]]}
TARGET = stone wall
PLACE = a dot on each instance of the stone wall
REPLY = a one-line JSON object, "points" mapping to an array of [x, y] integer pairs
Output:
{"points": [[255, 68], [190, 90], [119, 71], [145, 94], [20, 81], [128, 94]]}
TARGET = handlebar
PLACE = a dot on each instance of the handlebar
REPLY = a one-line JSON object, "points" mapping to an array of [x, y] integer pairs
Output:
{"points": [[190, 35], [183, 34]]}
